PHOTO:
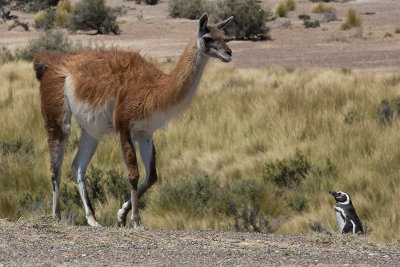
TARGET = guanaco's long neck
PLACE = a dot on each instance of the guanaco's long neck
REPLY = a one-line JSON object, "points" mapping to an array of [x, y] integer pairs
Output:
{"points": [[182, 83]]}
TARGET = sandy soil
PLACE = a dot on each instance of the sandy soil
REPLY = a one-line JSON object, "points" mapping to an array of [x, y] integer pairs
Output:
{"points": [[43, 242], [162, 37]]}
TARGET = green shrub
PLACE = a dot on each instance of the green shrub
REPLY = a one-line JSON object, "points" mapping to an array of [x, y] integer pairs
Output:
{"points": [[351, 20], [44, 19], [117, 185], [291, 4], [49, 40], [304, 17], [63, 13], [311, 24], [194, 195], [288, 173], [36, 5], [385, 112], [249, 19], [16, 145], [189, 9], [94, 15], [6, 55]]}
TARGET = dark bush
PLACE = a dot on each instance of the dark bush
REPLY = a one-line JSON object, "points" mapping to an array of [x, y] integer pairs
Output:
{"points": [[249, 19], [117, 185], [16, 145], [311, 24], [36, 5], [288, 173], [189, 9], [195, 195], [94, 15], [49, 40], [304, 17], [385, 112], [147, 2]]}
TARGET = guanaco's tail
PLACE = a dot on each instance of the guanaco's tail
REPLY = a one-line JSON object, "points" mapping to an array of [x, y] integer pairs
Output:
{"points": [[43, 60]]}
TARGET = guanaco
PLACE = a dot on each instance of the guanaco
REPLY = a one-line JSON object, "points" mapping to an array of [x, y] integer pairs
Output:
{"points": [[118, 91]]}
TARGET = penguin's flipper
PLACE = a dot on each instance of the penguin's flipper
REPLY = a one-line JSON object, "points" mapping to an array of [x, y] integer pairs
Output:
{"points": [[349, 227]]}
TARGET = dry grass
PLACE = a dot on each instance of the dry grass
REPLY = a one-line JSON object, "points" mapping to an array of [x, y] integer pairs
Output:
{"points": [[284, 6], [321, 8], [240, 120], [351, 20]]}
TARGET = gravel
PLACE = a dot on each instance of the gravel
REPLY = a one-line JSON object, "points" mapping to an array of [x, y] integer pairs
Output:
{"points": [[44, 242]]}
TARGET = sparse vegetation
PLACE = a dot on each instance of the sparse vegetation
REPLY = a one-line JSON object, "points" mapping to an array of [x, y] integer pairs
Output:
{"points": [[190, 9], [397, 30], [330, 16], [387, 35], [94, 15], [222, 157], [49, 40], [351, 20], [322, 8]]}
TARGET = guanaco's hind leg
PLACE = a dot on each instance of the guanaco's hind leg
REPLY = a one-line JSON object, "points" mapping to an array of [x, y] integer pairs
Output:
{"points": [[57, 141], [128, 150], [86, 150], [148, 155]]}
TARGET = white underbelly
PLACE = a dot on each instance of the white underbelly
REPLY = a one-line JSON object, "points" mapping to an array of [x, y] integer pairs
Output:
{"points": [[340, 221], [97, 121]]}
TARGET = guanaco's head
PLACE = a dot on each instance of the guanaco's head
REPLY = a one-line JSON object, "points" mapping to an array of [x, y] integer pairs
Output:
{"points": [[211, 39]]}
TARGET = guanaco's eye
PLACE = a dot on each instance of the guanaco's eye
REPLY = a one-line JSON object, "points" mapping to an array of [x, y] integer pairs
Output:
{"points": [[207, 39]]}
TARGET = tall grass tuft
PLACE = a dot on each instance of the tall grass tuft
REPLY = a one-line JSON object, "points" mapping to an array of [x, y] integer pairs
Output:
{"points": [[284, 6], [351, 20], [322, 8]]}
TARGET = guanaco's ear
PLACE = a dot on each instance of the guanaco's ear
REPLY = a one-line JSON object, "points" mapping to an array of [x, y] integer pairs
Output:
{"points": [[203, 25], [222, 24]]}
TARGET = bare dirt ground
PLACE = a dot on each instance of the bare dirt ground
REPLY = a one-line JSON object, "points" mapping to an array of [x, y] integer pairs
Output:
{"points": [[162, 37], [45, 243]]}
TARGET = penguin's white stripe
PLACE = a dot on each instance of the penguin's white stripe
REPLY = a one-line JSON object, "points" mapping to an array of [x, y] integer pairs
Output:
{"points": [[354, 226], [347, 198]]}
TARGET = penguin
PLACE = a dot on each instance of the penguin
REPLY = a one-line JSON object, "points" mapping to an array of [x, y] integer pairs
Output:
{"points": [[346, 215]]}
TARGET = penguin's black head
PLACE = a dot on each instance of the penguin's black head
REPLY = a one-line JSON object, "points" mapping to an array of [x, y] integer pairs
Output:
{"points": [[341, 197]]}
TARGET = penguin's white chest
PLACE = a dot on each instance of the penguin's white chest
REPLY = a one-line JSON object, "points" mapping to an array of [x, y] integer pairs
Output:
{"points": [[340, 218]]}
